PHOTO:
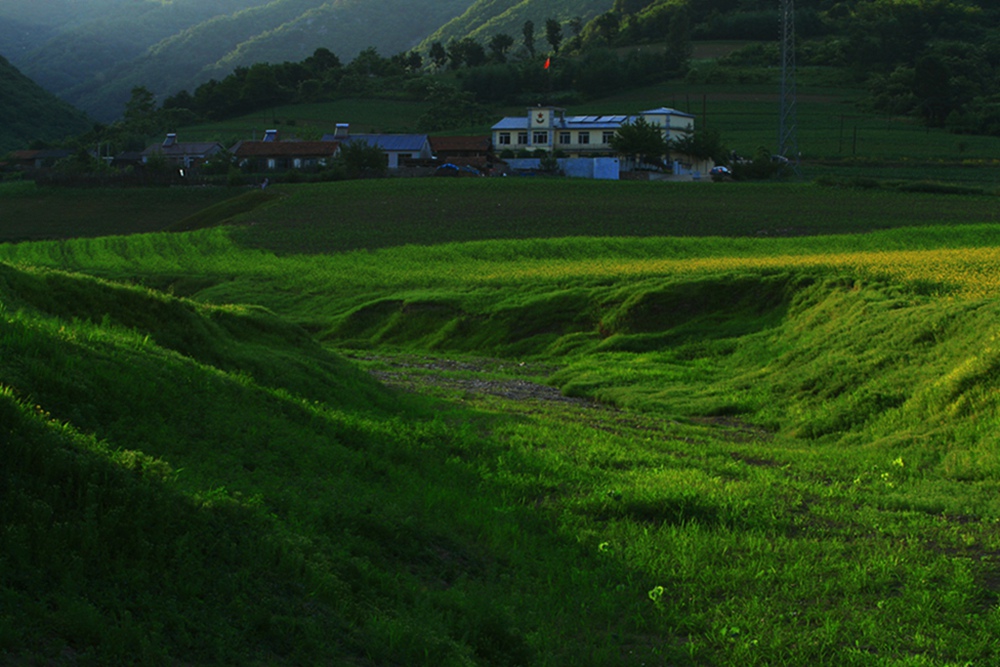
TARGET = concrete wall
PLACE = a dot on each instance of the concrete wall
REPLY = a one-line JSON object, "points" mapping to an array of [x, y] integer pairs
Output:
{"points": [[602, 168]]}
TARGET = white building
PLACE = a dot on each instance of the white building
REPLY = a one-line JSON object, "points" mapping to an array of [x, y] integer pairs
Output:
{"points": [[550, 129]]}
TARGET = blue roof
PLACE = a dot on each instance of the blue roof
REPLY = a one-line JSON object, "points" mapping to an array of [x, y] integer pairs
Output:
{"points": [[597, 122], [611, 122], [667, 111], [512, 123], [387, 142]]}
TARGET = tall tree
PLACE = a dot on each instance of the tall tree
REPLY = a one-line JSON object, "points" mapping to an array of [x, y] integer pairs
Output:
{"points": [[466, 51], [553, 34], [438, 54], [322, 60], [607, 25], [499, 45], [528, 31], [640, 140], [141, 118], [701, 144], [679, 48], [141, 106]]}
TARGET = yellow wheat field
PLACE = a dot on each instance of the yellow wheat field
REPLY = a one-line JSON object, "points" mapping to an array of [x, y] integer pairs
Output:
{"points": [[963, 272]]}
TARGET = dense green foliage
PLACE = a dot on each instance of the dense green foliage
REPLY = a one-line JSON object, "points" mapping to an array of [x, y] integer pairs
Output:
{"points": [[786, 439], [32, 115], [932, 59]]}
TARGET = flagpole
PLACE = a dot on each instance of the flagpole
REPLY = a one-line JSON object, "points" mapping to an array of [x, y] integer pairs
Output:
{"points": [[548, 62]]}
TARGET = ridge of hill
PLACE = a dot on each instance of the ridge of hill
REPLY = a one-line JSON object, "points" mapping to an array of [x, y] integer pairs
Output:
{"points": [[30, 113], [486, 18], [95, 60]]}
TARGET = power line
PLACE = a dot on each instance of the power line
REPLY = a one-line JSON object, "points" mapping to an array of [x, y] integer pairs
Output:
{"points": [[788, 146]]}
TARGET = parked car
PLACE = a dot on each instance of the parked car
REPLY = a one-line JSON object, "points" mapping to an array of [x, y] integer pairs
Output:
{"points": [[449, 169], [720, 173]]}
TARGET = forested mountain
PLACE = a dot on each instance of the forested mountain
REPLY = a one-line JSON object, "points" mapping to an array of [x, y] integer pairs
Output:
{"points": [[937, 59], [92, 54], [486, 18], [29, 113]]}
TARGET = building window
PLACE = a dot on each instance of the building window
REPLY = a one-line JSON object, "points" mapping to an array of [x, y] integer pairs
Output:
{"points": [[585, 137], [564, 138], [606, 137], [522, 138], [504, 139], [540, 137]]}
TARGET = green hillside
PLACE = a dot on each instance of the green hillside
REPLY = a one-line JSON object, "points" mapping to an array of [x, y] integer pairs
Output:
{"points": [[28, 113], [486, 18], [435, 422], [167, 47]]}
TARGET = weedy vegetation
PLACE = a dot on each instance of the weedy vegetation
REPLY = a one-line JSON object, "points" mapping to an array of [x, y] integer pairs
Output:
{"points": [[507, 422]]}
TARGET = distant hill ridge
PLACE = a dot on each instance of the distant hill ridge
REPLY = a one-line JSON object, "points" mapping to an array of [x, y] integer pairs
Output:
{"points": [[93, 55], [29, 113], [486, 18]]}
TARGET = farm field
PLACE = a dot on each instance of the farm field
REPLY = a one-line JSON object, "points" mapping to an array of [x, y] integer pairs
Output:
{"points": [[31, 213], [507, 422]]}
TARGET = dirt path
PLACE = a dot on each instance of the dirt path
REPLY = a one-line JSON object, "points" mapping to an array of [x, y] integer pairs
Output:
{"points": [[521, 383]]}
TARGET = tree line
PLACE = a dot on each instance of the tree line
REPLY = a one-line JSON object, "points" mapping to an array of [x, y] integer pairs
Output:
{"points": [[936, 59]]}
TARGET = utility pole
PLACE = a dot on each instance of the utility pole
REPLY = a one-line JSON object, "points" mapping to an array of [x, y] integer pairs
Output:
{"points": [[788, 146]]}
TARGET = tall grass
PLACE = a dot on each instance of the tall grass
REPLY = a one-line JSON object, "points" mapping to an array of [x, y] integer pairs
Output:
{"points": [[786, 454], [206, 485]]}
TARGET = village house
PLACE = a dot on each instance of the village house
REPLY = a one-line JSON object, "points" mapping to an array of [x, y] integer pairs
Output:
{"points": [[272, 154], [38, 159], [398, 148], [476, 151], [549, 129], [183, 155]]}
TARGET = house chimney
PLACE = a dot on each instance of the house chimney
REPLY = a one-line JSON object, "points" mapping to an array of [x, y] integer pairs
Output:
{"points": [[270, 135], [343, 131], [170, 140]]}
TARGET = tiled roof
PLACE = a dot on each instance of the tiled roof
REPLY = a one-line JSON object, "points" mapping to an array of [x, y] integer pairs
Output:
{"points": [[667, 111], [303, 149], [439, 144], [387, 142], [512, 123], [186, 148]]}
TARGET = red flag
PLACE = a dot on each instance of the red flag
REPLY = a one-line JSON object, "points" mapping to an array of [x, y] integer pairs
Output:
{"points": [[548, 61]]}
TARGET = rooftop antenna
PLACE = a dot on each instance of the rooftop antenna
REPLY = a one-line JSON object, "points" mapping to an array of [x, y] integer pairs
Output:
{"points": [[788, 146]]}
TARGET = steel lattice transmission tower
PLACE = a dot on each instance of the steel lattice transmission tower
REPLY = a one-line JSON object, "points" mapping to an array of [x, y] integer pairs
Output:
{"points": [[788, 146]]}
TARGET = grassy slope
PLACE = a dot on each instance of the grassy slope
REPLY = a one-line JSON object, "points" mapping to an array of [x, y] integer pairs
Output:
{"points": [[204, 485], [807, 447], [31, 113]]}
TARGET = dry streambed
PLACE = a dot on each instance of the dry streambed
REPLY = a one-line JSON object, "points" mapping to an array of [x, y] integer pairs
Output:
{"points": [[520, 388]]}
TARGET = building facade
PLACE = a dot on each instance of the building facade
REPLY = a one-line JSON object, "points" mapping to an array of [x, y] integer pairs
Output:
{"points": [[182, 154], [550, 129], [398, 148]]}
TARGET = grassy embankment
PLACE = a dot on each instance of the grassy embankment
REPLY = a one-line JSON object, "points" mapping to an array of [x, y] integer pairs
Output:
{"points": [[793, 458]]}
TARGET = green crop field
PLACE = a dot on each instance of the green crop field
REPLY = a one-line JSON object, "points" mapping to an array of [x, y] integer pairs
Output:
{"points": [[504, 422]]}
